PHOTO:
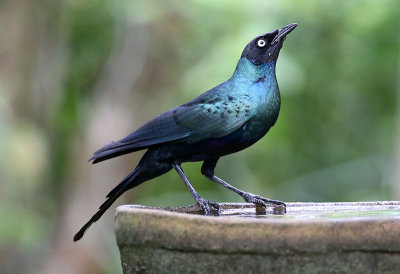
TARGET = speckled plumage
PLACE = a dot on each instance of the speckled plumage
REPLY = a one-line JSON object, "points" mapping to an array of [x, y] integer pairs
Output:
{"points": [[221, 121]]}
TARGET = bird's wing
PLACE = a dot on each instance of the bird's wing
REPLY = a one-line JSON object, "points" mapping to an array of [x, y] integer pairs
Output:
{"points": [[213, 116], [161, 129], [210, 115]]}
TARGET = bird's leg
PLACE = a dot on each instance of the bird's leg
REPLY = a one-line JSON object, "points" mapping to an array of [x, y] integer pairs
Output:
{"points": [[208, 170], [206, 205], [248, 197]]}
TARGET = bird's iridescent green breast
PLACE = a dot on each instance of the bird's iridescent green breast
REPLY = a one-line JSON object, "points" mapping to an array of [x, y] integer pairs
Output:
{"points": [[266, 101]]}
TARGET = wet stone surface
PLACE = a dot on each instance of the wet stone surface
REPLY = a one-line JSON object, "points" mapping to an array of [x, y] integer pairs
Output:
{"points": [[309, 238]]}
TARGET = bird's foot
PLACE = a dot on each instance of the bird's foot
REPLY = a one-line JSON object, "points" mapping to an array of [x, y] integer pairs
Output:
{"points": [[207, 206], [280, 207]]}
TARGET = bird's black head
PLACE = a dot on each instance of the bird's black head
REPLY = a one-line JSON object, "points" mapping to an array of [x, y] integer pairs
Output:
{"points": [[265, 48]]}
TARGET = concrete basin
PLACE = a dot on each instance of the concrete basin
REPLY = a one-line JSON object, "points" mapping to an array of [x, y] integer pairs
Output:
{"points": [[361, 237]]}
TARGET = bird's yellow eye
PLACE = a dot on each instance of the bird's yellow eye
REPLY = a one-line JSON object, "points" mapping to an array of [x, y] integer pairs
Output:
{"points": [[261, 43]]}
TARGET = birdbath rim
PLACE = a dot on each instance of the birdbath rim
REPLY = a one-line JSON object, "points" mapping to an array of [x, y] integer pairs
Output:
{"points": [[318, 229], [295, 211]]}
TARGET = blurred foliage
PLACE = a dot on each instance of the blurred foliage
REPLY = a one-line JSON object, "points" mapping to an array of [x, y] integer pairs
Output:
{"points": [[334, 139]]}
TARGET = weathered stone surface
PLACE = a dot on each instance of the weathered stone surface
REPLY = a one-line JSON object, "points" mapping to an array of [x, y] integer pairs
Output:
{"points": [[309, 238]]}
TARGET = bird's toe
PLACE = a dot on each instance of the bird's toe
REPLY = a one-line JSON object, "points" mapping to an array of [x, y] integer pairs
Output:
{"points": [[258, 200], [274, 202], [208, 207]]}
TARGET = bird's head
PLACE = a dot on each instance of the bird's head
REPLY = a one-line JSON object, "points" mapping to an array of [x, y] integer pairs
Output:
{"points": [[265, 48]]}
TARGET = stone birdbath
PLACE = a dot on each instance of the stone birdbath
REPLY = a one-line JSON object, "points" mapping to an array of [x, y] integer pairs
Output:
{"points": [[359, 237]]}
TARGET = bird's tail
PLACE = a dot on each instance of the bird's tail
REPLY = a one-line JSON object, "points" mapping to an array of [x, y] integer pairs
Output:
{"points": [[123, 186]]}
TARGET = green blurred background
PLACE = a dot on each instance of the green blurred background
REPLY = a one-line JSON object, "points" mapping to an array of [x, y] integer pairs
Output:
{"points": [[76, 74]]}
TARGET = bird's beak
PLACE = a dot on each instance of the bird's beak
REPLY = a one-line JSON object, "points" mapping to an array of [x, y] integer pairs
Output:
{"points": [[282, 32]]}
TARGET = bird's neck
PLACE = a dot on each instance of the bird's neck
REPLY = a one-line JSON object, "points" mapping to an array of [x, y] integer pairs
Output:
{"points": [[247, 71]]}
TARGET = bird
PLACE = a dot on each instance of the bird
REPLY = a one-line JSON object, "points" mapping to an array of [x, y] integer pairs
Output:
{"points": [[225, 119]]}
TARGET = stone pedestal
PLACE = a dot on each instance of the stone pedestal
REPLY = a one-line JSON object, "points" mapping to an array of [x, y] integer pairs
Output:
{"points": [[309, 238]]}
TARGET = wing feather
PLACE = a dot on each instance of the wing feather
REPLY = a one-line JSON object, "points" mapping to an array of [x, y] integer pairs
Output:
{"points": [[205, 117], [161, 129], [213, 118]]}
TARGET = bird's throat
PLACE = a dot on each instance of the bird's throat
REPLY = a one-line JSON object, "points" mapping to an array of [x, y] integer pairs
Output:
{"points": [[247, 71]]}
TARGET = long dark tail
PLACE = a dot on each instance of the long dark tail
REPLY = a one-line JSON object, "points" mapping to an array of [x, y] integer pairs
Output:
{"points": [[123, 186]]}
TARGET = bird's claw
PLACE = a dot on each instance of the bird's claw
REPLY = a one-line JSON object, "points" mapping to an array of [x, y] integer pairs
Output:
{"points": [[258, 200], [207, 206]]}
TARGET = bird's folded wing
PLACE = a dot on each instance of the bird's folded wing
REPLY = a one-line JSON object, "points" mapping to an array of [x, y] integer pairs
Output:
{"points": [[213, 118], [161, 129], [193, 122]]}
